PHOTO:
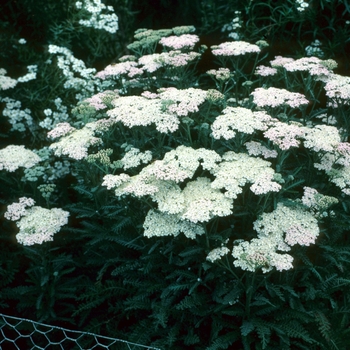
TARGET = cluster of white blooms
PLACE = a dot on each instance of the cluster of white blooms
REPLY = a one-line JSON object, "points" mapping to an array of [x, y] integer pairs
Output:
{"points": [[274, 97], [321, 138], [185, 41], [317, 203], [217, 254], [175, 58], [338, 90], [314, 49], [60, 130], [94, 9], [277, 231], [265, 71], [6, 82], [234, 48], [16, 210], [129, 68], [233, 26], [36, 224], [221, 74], [260, 253], [182, 102], [238, 169], [53, 118], [341, 178], [140, 111], [301, 5], [163, 224], [71, 67], [77, 142], [13, 157], [161, 109], [133, 158], [298, 225], [285, 135], [239, 119], [256, 149], [31, 75], [18, 118], [22, 41], [102, 99]]}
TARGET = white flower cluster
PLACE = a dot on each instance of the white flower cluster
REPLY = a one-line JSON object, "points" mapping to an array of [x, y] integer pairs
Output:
{"points": [[31, 75], [94, 9], [256, 149], [133, 158], [71, 67], [36, 224], [6, 82], [238, 169], [277, 231], [13, 157], [301, 5], [338, 90], [234, 26], [274, 97], [314, 49], [217, 254], [221, 74], [317, 203], [75, 144], [234, 48], [239, 119], [185, 41], [53, 118], [162, 224], [20, 119], [163, 109]]}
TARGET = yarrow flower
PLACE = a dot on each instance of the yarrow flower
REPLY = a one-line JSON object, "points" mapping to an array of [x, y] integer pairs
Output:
{"points": [[239, 119], [234, 48], [265, 71], [185, 41], [60, 130], [133, 158], [217, 254], [76, 143], [338, 90], [256, 149], [13, 157], [221, 74], [6, 82], [36, 224], [274, 97]]}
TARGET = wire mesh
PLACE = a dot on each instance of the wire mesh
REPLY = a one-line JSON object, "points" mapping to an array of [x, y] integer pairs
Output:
{"points": [[20, 333]]}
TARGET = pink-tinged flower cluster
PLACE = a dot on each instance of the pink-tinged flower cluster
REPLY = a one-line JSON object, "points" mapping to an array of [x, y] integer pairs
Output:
{"points": [[13, 157], [128, 68], [281, 61], [313, 65], [99, 100], [235, 48], [265, 71], [185, 41], [60, 130], [274, 97], [285, 135]]}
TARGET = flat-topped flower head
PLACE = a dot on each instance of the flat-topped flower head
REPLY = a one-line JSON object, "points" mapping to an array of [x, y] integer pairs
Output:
{"points": [[184, 41], [280, 61], [274, 97], [239, 119], [13, 157], [217, 254], [61, 129], [102, 99], [285, 135], [338, 90], [36, 224], [255, 148], [118, 69], [76, 143], [238, 169], [321, 138], [265, 71], [235, 48], [171, 59], [133, 158], [6, 82], [182, 102]]}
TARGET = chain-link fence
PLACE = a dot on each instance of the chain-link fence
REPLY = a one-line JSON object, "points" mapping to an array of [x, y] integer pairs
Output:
{"points": [[23, 334]]}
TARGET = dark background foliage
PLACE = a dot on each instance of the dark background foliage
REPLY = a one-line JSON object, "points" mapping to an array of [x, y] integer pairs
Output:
{"points": [[101, 275]]}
